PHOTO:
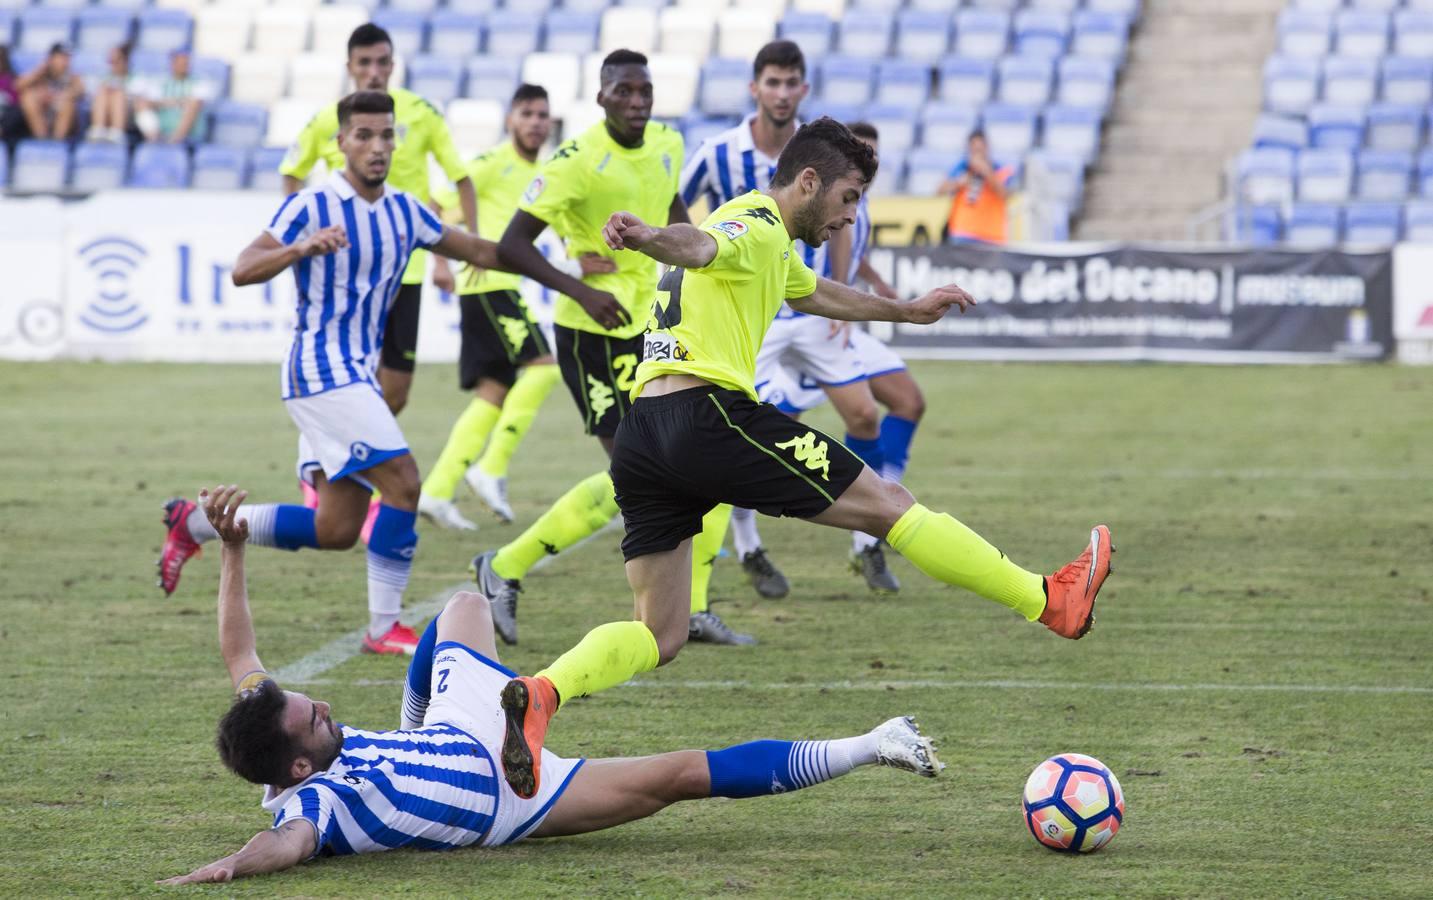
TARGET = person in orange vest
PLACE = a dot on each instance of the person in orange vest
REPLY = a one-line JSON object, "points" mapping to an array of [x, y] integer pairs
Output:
{"points": [[977, 187]]}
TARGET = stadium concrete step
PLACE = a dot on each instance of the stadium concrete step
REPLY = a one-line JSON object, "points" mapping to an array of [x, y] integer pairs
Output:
{"points": [[1185, 105]]}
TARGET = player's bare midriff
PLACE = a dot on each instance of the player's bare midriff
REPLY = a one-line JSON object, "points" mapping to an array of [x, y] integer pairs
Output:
{"points": [[670, 384]]}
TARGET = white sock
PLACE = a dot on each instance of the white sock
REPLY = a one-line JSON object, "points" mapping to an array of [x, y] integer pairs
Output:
{"points": [[743, 532], [839, 757], [379, 623], [414, 709], [860, 541], [199, 527]]}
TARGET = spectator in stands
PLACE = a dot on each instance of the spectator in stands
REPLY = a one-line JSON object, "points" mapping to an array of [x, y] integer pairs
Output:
{"points": [[49, 96], [109, 111], [171, 110], [12, 122], [977, 188]]}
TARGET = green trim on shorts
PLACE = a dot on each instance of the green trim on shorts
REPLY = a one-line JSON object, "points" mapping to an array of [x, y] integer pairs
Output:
{"points": [[749, 439]]}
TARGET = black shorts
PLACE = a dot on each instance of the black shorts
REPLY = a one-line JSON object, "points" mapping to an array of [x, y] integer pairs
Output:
{"points": [[499, 336], [681, 454], [400, 333], [599, 371]]}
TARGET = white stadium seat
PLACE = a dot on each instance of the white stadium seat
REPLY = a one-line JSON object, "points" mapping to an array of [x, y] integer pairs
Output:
{"points": [[560, 73], [258, 78], [628, 26], [333, 24], [674, 77], [476, 124], [316, 78], [741, 32], [281, 31], [287, 118], [773, 8], [222, 31], [832, 8], [686, 29]]}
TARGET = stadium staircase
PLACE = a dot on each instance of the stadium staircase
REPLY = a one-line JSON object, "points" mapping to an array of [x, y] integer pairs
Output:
{"points": [[1186, 103]]}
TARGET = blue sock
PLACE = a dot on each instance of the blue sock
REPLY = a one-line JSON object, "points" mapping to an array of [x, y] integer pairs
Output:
{"points": [[869, 450], [896, 436], [281, 525], [418, 688], [391, 546], [775, 767]]}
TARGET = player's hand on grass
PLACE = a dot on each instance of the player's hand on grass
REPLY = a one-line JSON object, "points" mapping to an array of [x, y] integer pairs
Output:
{"points": [[324, 241], [932, 307], [214, 873], [625, 231], [443, 275], [596, 264], [604, 309], [221, 508]]}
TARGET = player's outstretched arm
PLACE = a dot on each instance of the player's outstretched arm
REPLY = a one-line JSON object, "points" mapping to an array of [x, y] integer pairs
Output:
{"points": [[837, 301], [519, 254], [236, 626], [681, 245], [266, 257], [268, 851]]}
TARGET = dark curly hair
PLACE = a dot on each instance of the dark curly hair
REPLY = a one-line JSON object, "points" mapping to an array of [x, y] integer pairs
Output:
{"points": [[828, 147], [251, 740]]}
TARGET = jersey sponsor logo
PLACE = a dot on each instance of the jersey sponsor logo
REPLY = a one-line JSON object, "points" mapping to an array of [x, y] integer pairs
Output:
{"points": [[401, 130], [731, 228], [762, 213], [600, 397], [359, 451], [534, 190], [660, 347], [514, 330], [667, 163], [810, 453]]}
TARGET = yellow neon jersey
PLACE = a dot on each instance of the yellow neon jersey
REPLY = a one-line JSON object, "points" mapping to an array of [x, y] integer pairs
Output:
{"points": [[582, 185], [710, 322], [499, 176]]}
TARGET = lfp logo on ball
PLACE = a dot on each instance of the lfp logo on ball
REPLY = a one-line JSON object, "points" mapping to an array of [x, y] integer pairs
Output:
{"points": [[111, 305]]}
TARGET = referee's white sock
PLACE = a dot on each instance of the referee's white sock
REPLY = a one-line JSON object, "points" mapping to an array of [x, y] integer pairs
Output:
{"points": [[743, 532]]}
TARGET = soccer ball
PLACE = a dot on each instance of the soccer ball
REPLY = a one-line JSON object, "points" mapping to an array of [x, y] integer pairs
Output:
{"points": [[1073, 803]]}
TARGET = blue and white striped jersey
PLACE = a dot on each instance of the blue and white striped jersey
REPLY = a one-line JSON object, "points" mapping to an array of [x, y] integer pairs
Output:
{"points": [[433, 788], [344, 297], [860, 243]]}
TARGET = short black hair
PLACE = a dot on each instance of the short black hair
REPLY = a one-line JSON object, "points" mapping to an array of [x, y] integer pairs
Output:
{"points": [[828, 147], [782, 54], [864, 130], [366, 35], [251, 739], [624, 57], [526, 92], [976, 133], [363, 102]]}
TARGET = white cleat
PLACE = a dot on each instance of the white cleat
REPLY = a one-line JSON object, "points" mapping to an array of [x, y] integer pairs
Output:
{"points": [[900, 745], [444, 513], [492, 491]]}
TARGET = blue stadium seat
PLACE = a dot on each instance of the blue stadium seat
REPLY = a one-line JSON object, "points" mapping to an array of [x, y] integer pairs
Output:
{"points": [[1407, 80], [890, 6], [149, 64], [1290, 85], [4, 170], [164, 30], [1099, 33], [1413, 33], [1418, 222], [211, 72], [159, 166], [981, 34], [696, 129], [438, 79], [131, 5], [41, 27], [92, 66], [1010, 129], [1260, 226], [1064, 6], [1305, 33], [99, 28], [927, 167], [584, 5], [814, 32], [1350, 81], [1384, 6], [865, 33], [895, 123], [1373, 223], [25, 60], [1061, 177], [1128, 8], [1336, 127], [418, 6], [1287, 132], [98, 167], [1325, 176], [1072, 131], [1313, 225], [1384, 174], [1041, 33], [478, 7], [846, 79], [1266, 175], [572, 32], [492, 78], [1394, 126], [724, 86], [40, 166], [1425, 173], [408, 29], [238, 124], [902, 82], [1361, 34], [892, 173], [264, 169], [1025, 79], [218, 168], [7, 29], [841, 112], [513, 34], [1086, 81], [947, 126], [455, 34], [969, 81], [922, 35]]}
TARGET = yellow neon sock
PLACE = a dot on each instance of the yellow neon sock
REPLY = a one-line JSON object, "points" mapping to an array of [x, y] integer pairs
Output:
{"points": [[605, 657], [588, 506], [533, 385], [705, 547], [948, 551], [465, 442]]}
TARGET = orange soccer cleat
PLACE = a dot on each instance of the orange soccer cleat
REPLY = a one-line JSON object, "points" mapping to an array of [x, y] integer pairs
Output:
{"points": [[1070, 593], [529, 704], [400, 640]]}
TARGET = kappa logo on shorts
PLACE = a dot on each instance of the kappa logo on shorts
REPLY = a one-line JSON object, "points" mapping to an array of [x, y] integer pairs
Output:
{"points": [[809, 453], [359, 451], [600, 397], [731, 228], [514, 329]]}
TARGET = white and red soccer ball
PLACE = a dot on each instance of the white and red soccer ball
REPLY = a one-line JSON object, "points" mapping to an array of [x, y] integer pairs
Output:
{"points": [[1073, 803]]}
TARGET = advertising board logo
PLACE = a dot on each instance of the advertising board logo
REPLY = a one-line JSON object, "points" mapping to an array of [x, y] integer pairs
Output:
{"points": [[112, 307]]}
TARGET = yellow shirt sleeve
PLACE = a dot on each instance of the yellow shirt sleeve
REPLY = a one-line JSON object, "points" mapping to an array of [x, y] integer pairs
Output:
{"points": [[440, 144], [300, 159], [560, 184], [800, 280], [744, 245]]}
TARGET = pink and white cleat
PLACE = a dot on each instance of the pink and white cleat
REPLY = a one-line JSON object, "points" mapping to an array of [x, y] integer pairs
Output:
{"points": [[179, 545], [400, 640]]}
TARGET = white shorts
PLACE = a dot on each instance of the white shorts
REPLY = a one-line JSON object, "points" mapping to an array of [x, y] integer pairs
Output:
{"points": [[343, 431], [789, 384], [805, 344], [467, 689]]}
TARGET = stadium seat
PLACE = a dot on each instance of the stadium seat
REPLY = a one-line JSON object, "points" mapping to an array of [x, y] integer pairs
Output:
{"points": [[98, 167], [492, 78], [222, 31], [159, 166], [892, 173], [1394, 126], [1287, 132], [1327, 6], [513, 34], [476, 124], [281, 31], [1413, 33], [1266, 175], [316, 77], [999, 5], [947, 126], [426, 7], [685, 29], [967, 81], [1086, 81], [1373, 223], [1041, 33], [586, 6], [902, 82], [1325, 176], [408, 29], [264, 169], [1100, 33], [1064, 6], [865, 33], [724, 86], [437, 79], [835, 9], [890, 6], [99, 28], [1425, 173], [92, 66], [1025, 79], [927, 167], [922, 35], [8, 18], [1055, 176], [1071, 131], [1260, 226], [40, 28], [1418, 222], [697, 129], [1305, 34], [981, 34], [560, 73], [1290, 85], [675, 76], [630, 27], [845, 79], [1336, 127], [773, 8], [257, 78], [741, 33], [481, 7], [841, 112], [331, 27], [147, 66], [219, 168], [1383, 6], [164, 30], [1361, 34], [286, 120], [53, 4], [571, 32], [458, 35], [238, 124], [1009, 128], [814, 32], [1127, 8], [894, 122], [211, 74], [1313, 225], [1384, 174], [1350, 81], [1407, 80]]}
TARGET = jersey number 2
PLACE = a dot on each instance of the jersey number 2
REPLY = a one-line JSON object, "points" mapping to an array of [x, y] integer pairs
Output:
{"points": [[443, 680]]}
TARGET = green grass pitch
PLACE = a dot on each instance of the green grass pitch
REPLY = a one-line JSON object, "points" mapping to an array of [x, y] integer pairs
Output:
{"points": [[1259, 678]]}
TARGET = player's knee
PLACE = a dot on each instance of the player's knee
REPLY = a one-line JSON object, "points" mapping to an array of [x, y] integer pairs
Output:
{"points": [[909, 405], [864, 421], [670, 642], [471, 607], [892, 502], [337, 534], [692, 779]]}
